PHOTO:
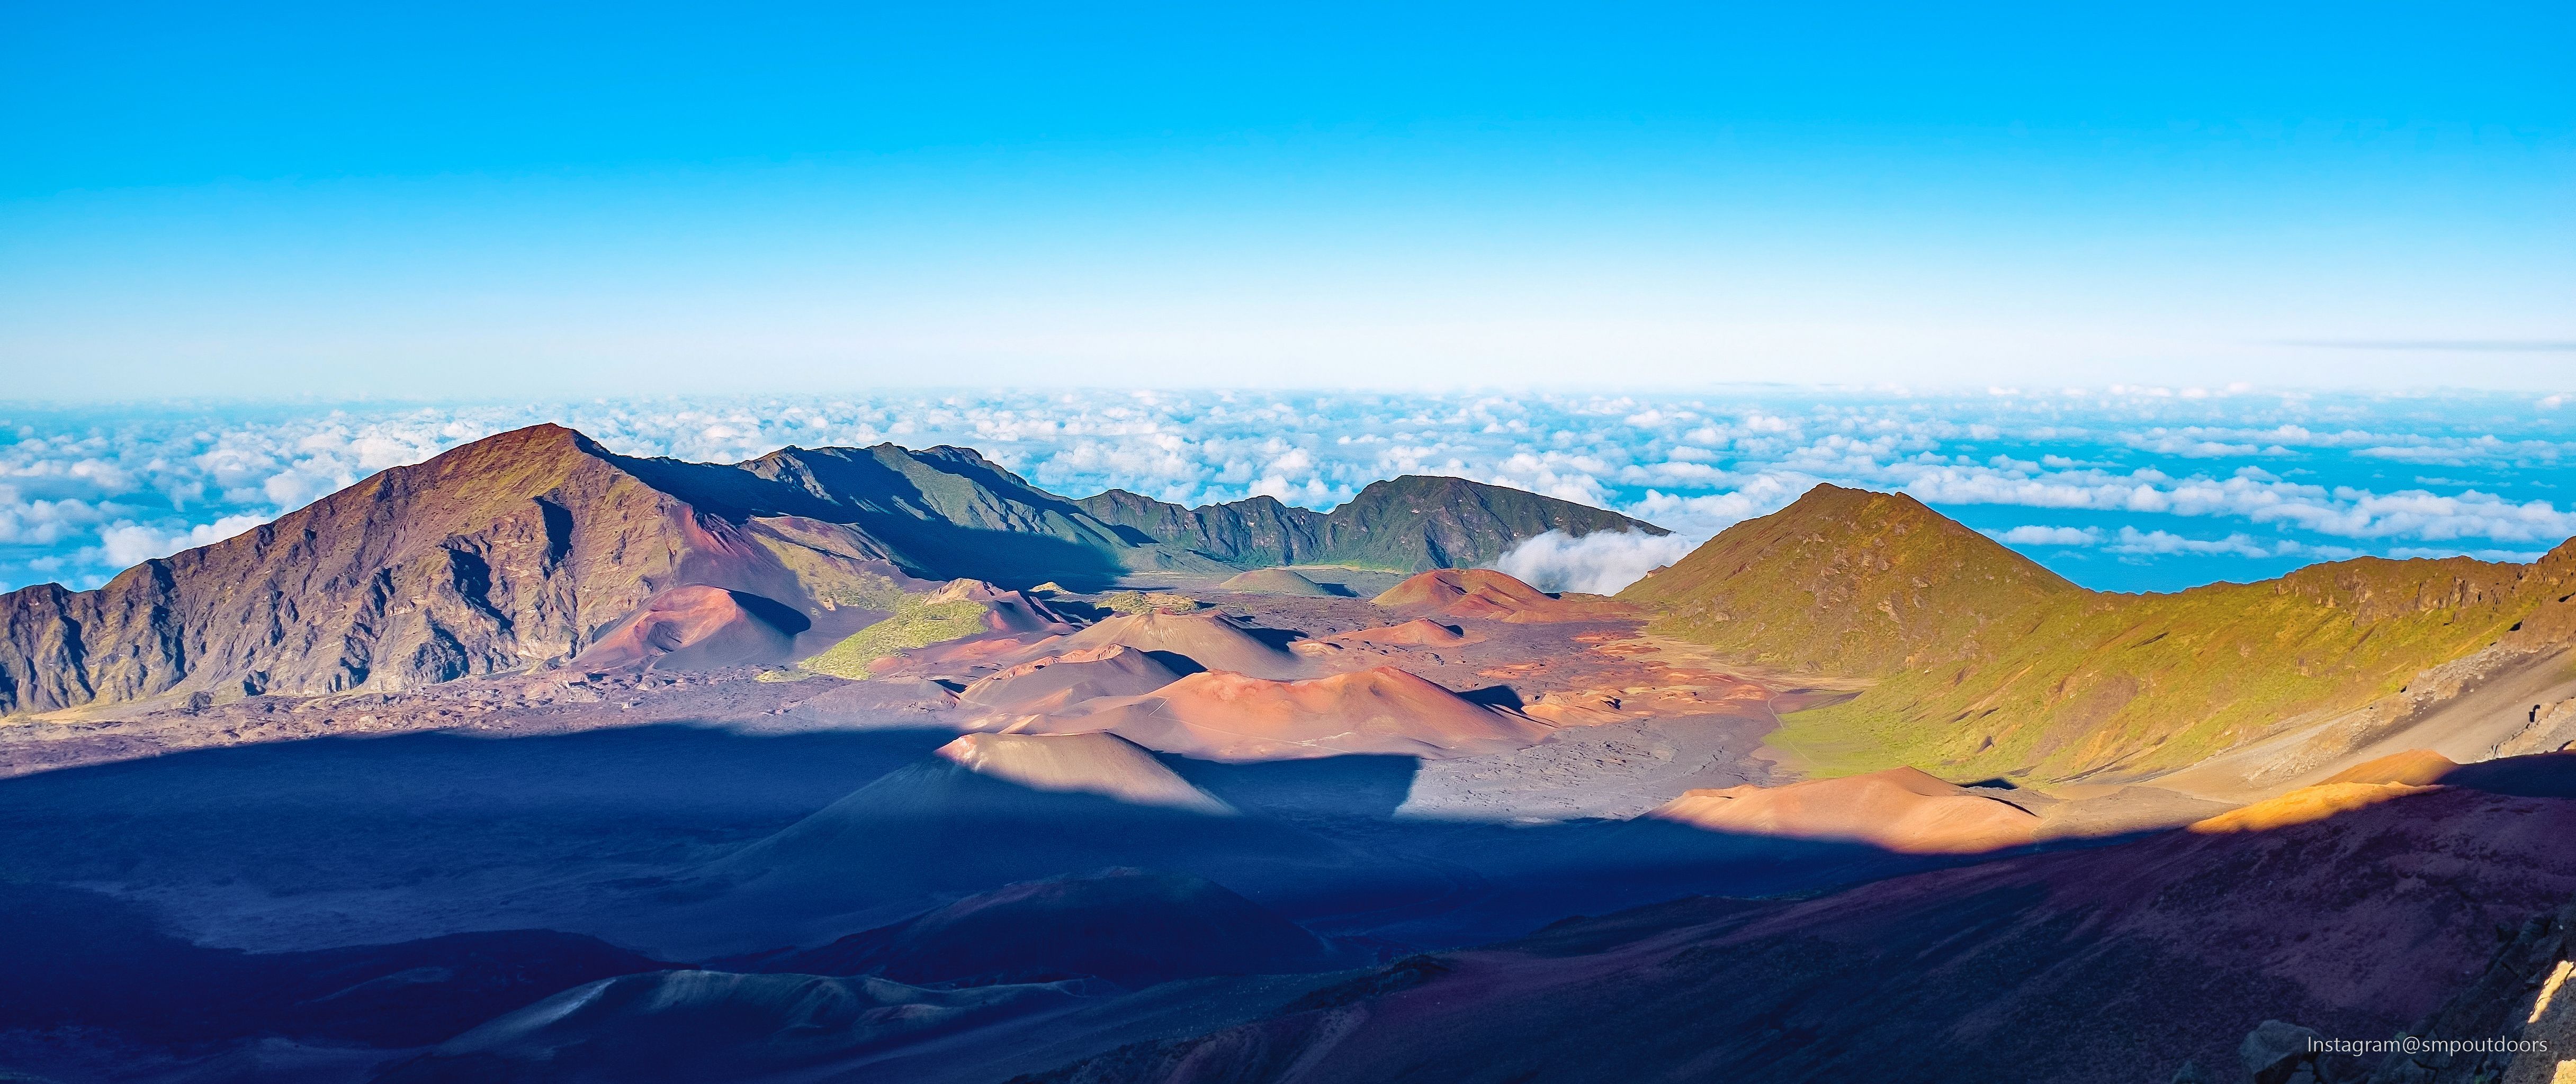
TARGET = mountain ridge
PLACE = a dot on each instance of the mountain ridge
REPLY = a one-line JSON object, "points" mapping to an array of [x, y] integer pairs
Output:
{"points": [[1366, 531], [523, 548]]}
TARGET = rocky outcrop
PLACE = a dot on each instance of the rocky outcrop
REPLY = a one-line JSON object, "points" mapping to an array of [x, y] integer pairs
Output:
{"points": [[499, 554]]}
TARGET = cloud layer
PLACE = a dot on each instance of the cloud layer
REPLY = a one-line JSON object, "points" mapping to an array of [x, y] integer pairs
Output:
{"points": [[1601, 562], [2126, 488]]}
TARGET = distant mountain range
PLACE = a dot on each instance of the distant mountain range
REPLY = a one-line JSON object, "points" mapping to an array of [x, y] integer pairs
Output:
{"points": [[1983, 663], [527, 546], [1411, 524]]}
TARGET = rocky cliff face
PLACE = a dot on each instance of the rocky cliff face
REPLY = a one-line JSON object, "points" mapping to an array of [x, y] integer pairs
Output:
{"points": [[1248, 534], [526, 547], [1411, 524]]}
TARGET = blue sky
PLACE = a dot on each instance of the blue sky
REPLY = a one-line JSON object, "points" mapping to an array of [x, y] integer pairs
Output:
{"points": [[2153, 294], [461, 202]]}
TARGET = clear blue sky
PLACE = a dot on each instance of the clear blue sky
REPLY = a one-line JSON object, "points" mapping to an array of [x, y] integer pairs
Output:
{"points": [[330, 200]]}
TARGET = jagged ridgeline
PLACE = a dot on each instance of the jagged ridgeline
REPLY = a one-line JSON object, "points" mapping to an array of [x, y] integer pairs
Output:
{"points": [[1986, 664], [531, 546], [1409, 524]]}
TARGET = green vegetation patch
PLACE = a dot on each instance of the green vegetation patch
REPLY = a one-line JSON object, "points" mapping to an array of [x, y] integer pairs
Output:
{"points": [[1144, 602], [913, 624], [2148, 682]]}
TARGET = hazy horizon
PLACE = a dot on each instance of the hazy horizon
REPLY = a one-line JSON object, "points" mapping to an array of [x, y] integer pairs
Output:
{"points": [[2139, 489]]}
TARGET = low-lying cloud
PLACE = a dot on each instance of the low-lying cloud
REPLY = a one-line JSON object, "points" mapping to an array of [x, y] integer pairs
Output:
{"points": [[1599, 563], [2156, 488], [2035, 535]]}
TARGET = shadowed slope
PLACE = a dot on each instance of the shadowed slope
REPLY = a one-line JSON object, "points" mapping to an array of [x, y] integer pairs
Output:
{"points": [[1988, 665], [78, 959], [709, 1025], [987, 810], [2101, 966], [1129, 926]]}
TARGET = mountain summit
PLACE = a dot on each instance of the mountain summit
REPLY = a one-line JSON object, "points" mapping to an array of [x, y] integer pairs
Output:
{"points": [[1851, 582]]}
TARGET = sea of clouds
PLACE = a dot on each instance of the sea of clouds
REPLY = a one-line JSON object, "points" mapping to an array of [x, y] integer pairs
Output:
{"points": [[2120, 488]]}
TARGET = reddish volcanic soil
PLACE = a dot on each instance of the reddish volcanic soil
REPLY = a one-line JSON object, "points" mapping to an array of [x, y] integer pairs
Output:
{"points": [[1205, 638], [1101, 764], [1230, 717], [1419, 632], [695, 626], [1900, 809], [2415, 767], [1494, 596], [1056, 682], [2111, 964]]}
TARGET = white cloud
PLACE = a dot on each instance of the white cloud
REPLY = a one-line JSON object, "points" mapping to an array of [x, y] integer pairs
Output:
{"points": [[2135, 541], [2297, 471], [129, 544], [2034, 535], [1600, 563]]}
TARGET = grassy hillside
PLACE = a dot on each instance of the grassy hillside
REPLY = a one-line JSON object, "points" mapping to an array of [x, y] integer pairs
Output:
{"points": [[1854, 583], [1988, 665]]}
